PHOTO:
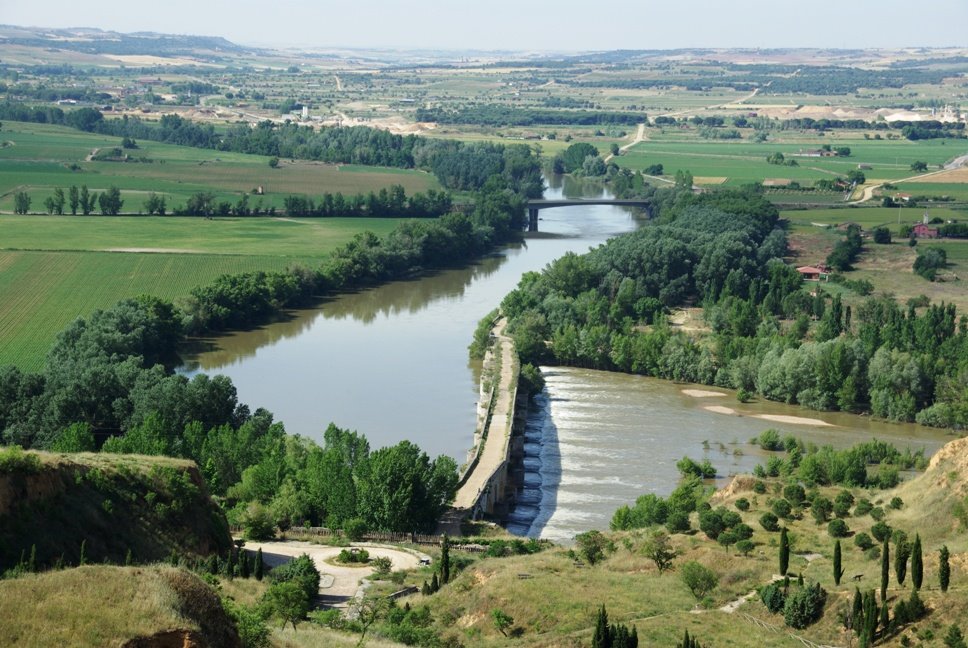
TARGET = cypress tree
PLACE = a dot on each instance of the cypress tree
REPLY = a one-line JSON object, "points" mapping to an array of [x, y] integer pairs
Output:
{"points": [[244, 571], [784, 552], [944, 569], [600, 638], [885, 567], [258, 564], [838, 570], [434, 583], [230, 565], [425, 590], [917, 564], [885, 620], [903, 550], [634, 638], [857, 612], [445, 561]]}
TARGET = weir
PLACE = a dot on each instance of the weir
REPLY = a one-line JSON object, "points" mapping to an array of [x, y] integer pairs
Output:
{"points": [[486, 486]]}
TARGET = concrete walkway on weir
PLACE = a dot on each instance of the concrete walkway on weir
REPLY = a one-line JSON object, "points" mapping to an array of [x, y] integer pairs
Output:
{"points": [[497, 437]]}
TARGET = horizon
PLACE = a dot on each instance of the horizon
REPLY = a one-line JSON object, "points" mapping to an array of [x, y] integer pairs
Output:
{"points": [[540, 26]]}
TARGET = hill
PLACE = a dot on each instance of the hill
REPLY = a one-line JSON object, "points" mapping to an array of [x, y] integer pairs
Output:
{"points": [[553, 596], [60, 505], [132, 607]]}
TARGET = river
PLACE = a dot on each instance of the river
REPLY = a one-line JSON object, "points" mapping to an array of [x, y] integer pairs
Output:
{"points": [[392, 363]]}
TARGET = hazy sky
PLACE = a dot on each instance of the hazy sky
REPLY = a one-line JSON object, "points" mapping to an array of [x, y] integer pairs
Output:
{"points": [[522, 24]]}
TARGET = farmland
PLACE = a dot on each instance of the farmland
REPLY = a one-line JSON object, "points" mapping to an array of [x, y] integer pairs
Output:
{"points": [[60, 269], [38, 158]]}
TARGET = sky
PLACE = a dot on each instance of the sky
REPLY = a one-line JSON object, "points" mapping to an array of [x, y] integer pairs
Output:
{"points": [[522, 25]]}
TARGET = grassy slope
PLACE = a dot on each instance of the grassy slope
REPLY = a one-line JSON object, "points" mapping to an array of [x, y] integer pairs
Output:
{"points": [[556, 604], [37, 157], [149, 506], [109, 606]]}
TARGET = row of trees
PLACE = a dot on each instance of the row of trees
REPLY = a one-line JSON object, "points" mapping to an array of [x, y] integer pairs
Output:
{"points": [[109, 201]]}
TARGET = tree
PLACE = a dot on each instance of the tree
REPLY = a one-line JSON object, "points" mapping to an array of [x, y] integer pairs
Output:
{"points": [[110, 201], [805, 606], [885, 567], [73, 199], [902, 553], [155, 204], [917, 563], [502, 621], [445, 560], [259, 565], [600, 637], [919, 166], [288, 601], [659, 550], [273, 162], [699, 579], [21, 202], [882, 235], [784, 552], [593, 546], [944, 569], [838, 568], [58, 200], [838, 528], [856, 176], [367, 609], [86, 200], [953, 638]]}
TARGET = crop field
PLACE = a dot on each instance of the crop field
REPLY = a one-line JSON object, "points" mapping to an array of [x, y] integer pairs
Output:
{"points": [[60, 270], [38, 158], [867, 217], [742, 161]]}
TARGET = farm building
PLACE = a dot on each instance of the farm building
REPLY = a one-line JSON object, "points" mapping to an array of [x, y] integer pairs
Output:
{"points": [[924, 231], [814, 273]]}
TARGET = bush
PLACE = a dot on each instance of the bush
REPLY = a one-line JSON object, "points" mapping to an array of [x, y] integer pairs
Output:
{"points": [[896, 503], [382, 565], [881, 531], [782, 509], [743, 504], [257, 523], [14, 459], [759, 487], [770, 440], [354, 528], [863, 507], [838, 528], [699, 579], [301, 571], [773, 597], [770, 522], [794, 493], [678, 522], [863, 541], [805, 606]]}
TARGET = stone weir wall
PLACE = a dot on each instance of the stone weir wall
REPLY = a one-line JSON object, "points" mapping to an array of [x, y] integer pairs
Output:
{"points": [[493, 471]]}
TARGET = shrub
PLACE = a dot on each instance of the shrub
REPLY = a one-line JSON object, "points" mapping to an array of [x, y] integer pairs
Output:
{"points": [[382, 565], [699, 579], [877, 513], [257, 523], [14, 459], [805, 606], [773, 597], [794, 493], [745, 547], [769, 440], [782, 509], [770, 522], [837, 528], [354, 528], [863, 507], [863, 541], [743, 504], [896, 503], [881, 531], [759, 487], [678, 522]]}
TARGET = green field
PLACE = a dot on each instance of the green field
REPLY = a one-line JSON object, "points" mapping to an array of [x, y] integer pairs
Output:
{"points": [[38, 158], [57, 269], [742, 161], [867, 217]]}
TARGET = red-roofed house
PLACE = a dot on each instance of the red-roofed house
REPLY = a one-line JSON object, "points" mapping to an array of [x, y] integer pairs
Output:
{"points": [[813, 273], [924, 231]]}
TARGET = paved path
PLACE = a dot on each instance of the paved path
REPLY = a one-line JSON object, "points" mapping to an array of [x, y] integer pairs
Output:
{"points": [[495, 443], [337, 583]]}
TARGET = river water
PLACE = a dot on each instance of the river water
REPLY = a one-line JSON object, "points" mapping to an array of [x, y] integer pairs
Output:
{"points": [[391, 362]]}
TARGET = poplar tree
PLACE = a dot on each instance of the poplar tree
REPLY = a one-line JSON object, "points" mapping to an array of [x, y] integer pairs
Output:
{"points": [[258, 564], [445, 561]]}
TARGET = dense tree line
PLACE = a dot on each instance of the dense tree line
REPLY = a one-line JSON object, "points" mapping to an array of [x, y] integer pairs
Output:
{"points": [[768, 336], [385, 203], [500, 115]]}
